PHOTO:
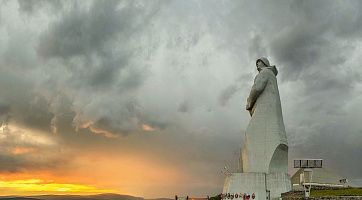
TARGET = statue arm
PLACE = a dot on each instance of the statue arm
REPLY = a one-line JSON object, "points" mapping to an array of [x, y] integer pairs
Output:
{"points": [[259, 84]]}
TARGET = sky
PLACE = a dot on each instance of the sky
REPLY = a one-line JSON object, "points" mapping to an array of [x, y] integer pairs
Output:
{"points": [[147, 98]]}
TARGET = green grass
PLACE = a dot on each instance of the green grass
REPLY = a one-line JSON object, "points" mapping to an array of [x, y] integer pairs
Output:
{"points": [[337, 192], [217, 197]]}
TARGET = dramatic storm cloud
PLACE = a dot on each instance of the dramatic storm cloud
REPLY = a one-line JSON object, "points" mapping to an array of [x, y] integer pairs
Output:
{"points": [[90, 88]]}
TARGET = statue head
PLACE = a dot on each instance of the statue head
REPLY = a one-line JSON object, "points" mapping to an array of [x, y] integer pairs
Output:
{"points": [[261, 63]]}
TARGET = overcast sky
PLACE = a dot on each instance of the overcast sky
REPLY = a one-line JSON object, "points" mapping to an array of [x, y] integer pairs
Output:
{"points": [[148, 97]]}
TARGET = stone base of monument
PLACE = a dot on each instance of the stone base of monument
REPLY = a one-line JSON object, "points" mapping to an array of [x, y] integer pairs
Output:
{"points": [[260, 186]]}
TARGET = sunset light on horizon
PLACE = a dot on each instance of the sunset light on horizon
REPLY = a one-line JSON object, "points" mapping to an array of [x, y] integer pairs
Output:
{"points": [[40, 187]]}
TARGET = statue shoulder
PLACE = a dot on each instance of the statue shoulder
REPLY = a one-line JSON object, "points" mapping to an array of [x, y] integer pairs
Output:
{"points": [[263, 74]]}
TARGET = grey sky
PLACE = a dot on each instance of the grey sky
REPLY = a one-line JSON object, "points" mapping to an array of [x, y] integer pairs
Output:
{"points": [[97, 74]]}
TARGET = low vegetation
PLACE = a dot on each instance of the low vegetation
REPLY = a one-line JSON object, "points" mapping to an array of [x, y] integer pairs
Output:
{"points": [[217, 197], [337, 192]]}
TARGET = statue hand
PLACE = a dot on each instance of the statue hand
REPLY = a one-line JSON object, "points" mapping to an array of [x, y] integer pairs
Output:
{"points": [[248, 106]]}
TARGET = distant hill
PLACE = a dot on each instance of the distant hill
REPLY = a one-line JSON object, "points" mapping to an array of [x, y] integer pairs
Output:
{"points": [[17, 198], [87, 197], [160, 199], [79, 197]]}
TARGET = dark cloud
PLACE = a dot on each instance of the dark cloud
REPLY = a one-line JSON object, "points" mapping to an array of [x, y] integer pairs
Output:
{"points": [[303, 46], [227, 94], [339, 148], [4, 108], [340, 19], [11, 163], [95, 45], [299, 49], [31, 6], [257, 49], [83, 32], [20, 103], [100, 37], [24, 149], [184, 107]]}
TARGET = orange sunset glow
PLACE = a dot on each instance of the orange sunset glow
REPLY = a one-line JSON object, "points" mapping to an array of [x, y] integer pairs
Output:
{"points": [[90, 171], [37, 186], [120, 175]]}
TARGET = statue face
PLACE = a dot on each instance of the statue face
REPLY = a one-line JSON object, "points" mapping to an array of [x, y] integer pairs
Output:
{"points": [[259, 65]]}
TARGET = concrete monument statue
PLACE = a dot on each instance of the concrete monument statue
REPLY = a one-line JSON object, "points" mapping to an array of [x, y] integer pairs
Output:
{"points": [[265, 146], [264, 159]]}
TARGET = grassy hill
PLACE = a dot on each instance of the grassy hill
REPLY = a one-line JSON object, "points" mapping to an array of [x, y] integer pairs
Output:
{"points": [[326, 193], [337, 192]]}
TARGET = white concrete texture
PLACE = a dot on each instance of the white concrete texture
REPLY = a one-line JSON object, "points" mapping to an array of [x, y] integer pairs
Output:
{"points": [[248, 183], [257, 183], [278, 183], [265, 146], [264, 158]]}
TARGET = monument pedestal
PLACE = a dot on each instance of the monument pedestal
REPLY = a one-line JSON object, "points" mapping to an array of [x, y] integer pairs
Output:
{"points": [[262, 185]]}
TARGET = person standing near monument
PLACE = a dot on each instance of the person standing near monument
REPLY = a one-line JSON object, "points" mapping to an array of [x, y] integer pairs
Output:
{"points": [[265, 146]]}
